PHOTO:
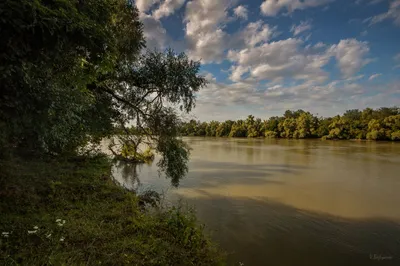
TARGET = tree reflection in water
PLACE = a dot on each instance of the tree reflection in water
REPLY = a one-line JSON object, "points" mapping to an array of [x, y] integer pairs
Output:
{"points": [[126, 175]]}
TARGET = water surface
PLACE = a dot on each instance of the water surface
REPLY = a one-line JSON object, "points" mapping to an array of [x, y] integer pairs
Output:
{"points": [[290, 202]]}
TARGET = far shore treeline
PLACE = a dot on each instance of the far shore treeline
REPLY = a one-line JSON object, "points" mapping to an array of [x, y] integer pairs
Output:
{"points": [[370, 124]]}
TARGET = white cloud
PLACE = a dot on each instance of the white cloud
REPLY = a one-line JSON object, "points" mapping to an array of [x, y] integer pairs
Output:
{"points": [[145, 5], [167, 8], [320, 45], [279, 60], [303, 26], [350, 55], [204, 29], [232, 101], [370, 2], [209, 77], [393, 13], [241, 12], [374, 2], [273, 7], [374, 76], [256, 33], [354, 78], [154, 32]]}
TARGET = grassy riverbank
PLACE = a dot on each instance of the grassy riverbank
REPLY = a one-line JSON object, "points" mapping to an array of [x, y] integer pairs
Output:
{"points": [[69, 212]]}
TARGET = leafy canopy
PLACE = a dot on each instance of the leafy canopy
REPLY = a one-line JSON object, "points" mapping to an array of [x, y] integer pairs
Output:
{"points": [[74, 71]]}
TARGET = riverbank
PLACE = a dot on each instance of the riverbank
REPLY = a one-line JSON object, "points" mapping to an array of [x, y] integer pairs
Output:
{"points": [[70, 212]]}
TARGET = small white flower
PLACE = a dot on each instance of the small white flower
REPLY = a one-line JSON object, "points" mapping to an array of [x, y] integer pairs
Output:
{"points": [[58, 220], [32, 232], [60, 224], [5, 234], [36, 227], [48, 235], [62, 239], [63, 221]]}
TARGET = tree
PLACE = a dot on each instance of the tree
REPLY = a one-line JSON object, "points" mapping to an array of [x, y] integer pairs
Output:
{"points": [[378, 124], [201, 129], [253, 127], [72, 71], [323, 128], [51, 51], [303, 126], [288, 127], [271, 125], [375, 131], [211, 129], [339, 128], [238, 129], [224, 128]]}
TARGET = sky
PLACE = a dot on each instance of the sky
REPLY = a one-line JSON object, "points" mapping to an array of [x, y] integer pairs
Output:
{"points": [[263, 57]]}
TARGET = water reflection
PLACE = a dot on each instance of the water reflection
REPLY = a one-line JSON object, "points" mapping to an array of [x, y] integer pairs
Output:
{"points": [[126, 174], [291, 202], [266, 232]]}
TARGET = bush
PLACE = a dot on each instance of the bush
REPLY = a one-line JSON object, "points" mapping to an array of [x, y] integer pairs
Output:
{"points": [[270, 134], [395, 135]]}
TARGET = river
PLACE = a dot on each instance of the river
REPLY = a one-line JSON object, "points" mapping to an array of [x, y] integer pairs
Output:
{"points": [[290, 202]]}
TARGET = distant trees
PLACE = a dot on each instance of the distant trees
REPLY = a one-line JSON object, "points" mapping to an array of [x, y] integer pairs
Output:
{"points": [[224, 128], [379, 124], [211, 128]]}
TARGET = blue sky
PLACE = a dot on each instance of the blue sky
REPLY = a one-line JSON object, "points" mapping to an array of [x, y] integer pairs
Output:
{"points": [[263, 57]]}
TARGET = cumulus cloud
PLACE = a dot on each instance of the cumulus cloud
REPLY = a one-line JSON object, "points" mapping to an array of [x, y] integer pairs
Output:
{"points": [[302, 27], [145, 5], [273, 7], [167, 8], [221, 101], [255, 33], [374, 76], [369, 2], [275, 61], [205, 36], [241, 12], [154, 32], [350, 55], [393, 14]]}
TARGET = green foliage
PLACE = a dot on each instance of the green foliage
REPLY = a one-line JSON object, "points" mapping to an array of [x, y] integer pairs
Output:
{"points": [[51, 50], [69, 212], [238, 130], [73, 72], [130, 154], [395, 135], [379, 124], [270, 134], [253, 127], [174, 160], [211, 128], [224, 128]]}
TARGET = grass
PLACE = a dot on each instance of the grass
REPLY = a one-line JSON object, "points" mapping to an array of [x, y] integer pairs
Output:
{"points": [[69, 212]]}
